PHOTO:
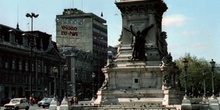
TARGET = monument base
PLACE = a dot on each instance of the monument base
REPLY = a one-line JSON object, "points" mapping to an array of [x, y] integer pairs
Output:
{"points": [[64, 105], [186, 103], [53, 104], [171, 97], [213, 103], [127, 97]]}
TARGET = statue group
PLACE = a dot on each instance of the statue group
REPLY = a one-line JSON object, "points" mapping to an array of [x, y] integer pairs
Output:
{"points": [[138, 42]]}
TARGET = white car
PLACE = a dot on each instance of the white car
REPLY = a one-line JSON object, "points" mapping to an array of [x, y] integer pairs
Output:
{"points": [[40, 103], [47, 102], [17, 103]]}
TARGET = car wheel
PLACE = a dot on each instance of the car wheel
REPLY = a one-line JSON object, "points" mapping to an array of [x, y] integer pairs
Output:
{"points": [[16, 108], [38, 105], [43, 106], [27, 108]]}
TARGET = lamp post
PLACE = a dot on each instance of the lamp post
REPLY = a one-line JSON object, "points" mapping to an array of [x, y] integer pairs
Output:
{"points": [[204, 99], [93, 85], [186, 102], [55, 71], [31, 15], [185, 62], [64, 105], [73, 79], [65, 70], [53, 103], [213, 101], [204, 84], [212, 62]]}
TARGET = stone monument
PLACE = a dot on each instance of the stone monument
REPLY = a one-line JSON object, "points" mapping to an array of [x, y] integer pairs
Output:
{"points": [[142, 74]]}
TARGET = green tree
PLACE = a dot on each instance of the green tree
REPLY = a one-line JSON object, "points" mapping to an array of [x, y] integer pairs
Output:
{"points": [[196, 68]]}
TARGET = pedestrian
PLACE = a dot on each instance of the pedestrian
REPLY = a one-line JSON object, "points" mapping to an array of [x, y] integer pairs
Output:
{"points": [[74, 100], [30, 100]]}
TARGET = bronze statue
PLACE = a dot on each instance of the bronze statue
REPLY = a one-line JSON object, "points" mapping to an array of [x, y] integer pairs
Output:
{"points": [[138, 43], [162, 44]]}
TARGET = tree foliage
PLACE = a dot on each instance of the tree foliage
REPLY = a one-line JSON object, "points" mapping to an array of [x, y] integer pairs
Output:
{"points": [[195, 75]]}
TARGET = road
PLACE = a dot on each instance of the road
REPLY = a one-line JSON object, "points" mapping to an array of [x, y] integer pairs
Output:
{"points": [[35, 107]]}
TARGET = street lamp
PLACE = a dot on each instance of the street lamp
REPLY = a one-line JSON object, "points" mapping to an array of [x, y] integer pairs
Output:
{"points": [[185, 62], [212, 62], [55, 71], [93, 83], [31, 15]]}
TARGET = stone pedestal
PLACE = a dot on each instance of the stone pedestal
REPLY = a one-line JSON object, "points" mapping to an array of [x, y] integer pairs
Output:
{"points": [[186, 103], [205, 100], [53, 104], [64, 104], [134, 97], [213, 103], [171, 97]]}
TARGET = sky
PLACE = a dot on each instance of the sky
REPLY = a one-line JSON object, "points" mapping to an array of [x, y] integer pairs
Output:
{"points": [[192, 26]]}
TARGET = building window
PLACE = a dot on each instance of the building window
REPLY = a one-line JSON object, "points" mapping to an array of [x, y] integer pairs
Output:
{"points": [[135, 80], [12, 36], [20, 65], [6, 65], [32, 67], [38, 68], [25, 41], [26, 66], [0, 61], [45, 69], [13, 64]]}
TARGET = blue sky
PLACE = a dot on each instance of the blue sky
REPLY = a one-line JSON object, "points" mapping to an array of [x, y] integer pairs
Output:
{"points": [[192, 26]]}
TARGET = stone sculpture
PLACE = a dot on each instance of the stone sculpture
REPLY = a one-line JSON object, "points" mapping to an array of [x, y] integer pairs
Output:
{"points": [[138, 42]]}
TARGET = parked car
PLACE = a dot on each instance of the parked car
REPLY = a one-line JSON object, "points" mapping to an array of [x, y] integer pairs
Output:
{"points": [[4, 101], [47, 102], [39, 103], [17, 103]]}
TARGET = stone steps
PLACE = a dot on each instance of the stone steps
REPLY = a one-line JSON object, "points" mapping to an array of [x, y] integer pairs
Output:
{"points": [[113, 107]]}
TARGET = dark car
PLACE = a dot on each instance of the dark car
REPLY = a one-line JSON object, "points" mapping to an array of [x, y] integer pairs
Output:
{"points": [[47, 102], [5, 101]]}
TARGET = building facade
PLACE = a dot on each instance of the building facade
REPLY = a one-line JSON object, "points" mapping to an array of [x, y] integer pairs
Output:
{"points": [[26, 62], [86, 32], [79, 72]]}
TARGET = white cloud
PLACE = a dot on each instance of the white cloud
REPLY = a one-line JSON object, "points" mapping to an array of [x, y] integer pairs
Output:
{"points": [[190, 33], [172, 20], [198, 45]]}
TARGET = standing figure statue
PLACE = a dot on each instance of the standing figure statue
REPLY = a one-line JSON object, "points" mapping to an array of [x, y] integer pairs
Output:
{"points": [[162, 44], [138, 43]]}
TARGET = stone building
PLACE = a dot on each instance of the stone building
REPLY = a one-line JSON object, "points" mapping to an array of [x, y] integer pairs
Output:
{"points": [[86, 32], [18, 51], [79, 72]]}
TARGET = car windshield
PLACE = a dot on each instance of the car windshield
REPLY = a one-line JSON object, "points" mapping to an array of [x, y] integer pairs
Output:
{"points": [[14, 101], [44, 99], [49, 100]]}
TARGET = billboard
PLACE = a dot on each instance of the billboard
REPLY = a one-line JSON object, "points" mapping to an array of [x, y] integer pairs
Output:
{"points": [[71, 28], [68, 30]]}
